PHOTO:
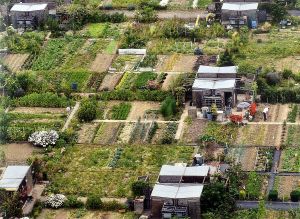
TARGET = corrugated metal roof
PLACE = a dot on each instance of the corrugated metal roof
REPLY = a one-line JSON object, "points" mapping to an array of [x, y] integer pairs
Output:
{"points": [[13, 176], [210, 84], [169, 170], [177, 191], [240, 6], [28, 7], [217, 70], [15, 172]]}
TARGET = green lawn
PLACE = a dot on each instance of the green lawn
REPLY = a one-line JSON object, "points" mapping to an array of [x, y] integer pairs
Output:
{"points": [[84, 170]]}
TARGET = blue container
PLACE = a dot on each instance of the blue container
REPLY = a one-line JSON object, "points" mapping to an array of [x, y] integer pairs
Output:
{"points": [[74, 86], [209, 116]]}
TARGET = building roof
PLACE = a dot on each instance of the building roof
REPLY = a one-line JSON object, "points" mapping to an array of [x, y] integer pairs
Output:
{"points": [[213, 84], [217, 70], [28, 7], [177, 191], [240, 6], [169, 170], [13, 177]]}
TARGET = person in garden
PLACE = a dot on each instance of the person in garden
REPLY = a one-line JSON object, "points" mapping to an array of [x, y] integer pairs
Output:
{"points": [[265, 113]]}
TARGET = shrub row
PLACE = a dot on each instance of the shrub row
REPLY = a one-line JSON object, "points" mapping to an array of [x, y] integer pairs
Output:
{"points": [[281, 95], [42, 100], [126, 95]]}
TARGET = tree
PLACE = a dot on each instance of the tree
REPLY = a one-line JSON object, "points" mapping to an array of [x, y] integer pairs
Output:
{"points": [[217, 198], [87, 111], [146, 15], [278, 12], [226, 59], [273, 195], [295, 195], [168, 107], [10, 204]]}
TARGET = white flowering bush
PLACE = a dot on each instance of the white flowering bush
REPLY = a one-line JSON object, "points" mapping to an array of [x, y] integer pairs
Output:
{"points": [[55, 200], [43, 138]]}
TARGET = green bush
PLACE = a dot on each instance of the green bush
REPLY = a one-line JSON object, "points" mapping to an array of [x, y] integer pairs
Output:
{"points": [[112, 206], [73, 202], [138, 188], [168, 107], [295, 195], [273, 195], [169, 133], [87, 111], [93, 202]]}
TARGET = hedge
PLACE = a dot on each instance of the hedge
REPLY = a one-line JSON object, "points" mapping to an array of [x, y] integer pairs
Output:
{"points": [[42, 100], [281, 95], [126, 95]]}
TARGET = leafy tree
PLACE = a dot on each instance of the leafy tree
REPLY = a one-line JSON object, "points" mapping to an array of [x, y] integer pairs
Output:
{"points": [[226, 59], [87, 111], [295, 195], [217, 198], [132, 40], [168, 107], [278, 12], [10, 204]]}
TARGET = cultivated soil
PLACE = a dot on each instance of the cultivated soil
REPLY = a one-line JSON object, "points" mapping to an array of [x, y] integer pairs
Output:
{"points": [[18, 152], [192, 131], [110, 81], [87, 132], [38, 110], [108, 133], [15, 61], [286, 184], [102, 62], [168, 81], [138, 109], [185, 63]]}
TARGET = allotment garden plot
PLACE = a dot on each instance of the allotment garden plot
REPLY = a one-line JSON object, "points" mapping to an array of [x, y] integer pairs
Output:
{"points": [[109, 171], [26, 120], [285, 185], [176, 63]]}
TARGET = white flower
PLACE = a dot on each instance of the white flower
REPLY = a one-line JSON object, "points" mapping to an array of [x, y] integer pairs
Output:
{"points": [[43, 138], [55, 200]]}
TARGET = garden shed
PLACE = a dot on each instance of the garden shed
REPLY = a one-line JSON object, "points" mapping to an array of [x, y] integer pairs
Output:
{"points": [[183, 174], [239, 14], [17, 178], [176, 200], [217, 72], [28, 15], [207, 91]]}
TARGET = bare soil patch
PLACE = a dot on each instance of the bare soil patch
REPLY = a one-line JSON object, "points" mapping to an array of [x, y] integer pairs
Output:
{"points": [[87, 132], [110, 81], [277, 112], [102, 62], [108, 133], [192, 131], [248, 159], [38, 110], [18, 152], [139, 108], [15, 61], [185, 63]]}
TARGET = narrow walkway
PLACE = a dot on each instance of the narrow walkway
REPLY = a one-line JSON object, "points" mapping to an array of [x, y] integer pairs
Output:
{"points": [[144, 121], [272, 123], [181, 122], [273, 173], [269, 205], [36, 195], [70, 117]]}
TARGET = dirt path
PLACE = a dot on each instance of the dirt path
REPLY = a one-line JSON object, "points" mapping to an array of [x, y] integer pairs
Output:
{"points": [[126, 121], [76, 107], [179, 131]]}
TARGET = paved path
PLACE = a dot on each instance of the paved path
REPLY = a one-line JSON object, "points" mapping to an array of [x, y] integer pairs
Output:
{"points": [[272, 123], [165, 14], [142, 121], [36, 194], [70, 117], [270, 205], [273, 173], [181, 122]]}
